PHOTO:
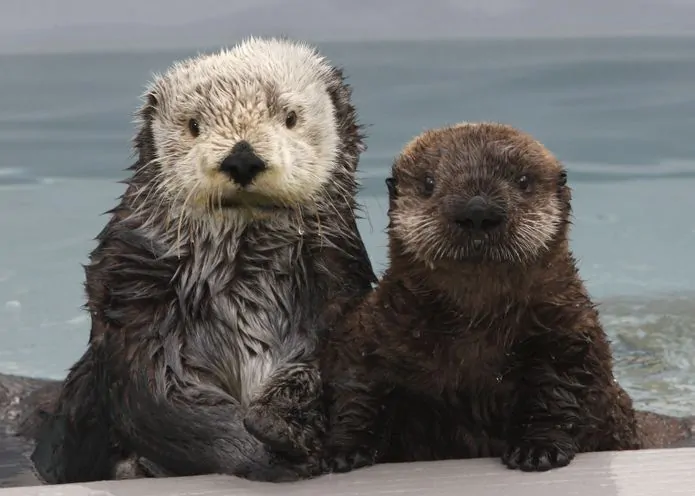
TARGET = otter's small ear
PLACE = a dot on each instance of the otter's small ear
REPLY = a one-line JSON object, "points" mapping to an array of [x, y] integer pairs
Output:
{"points": [[152, 100], [562, 179], [150, 106], [350, 131], [152, 103], [144, 140], [391, 185]]}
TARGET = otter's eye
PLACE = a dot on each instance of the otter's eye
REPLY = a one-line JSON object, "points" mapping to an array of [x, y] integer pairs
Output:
{"points": [[524, 183], [193, 127], [291, 119], [429, 185], [563, 178]]}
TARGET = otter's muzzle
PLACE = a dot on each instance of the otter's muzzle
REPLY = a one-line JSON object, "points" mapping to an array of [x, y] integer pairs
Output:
{"points": [[242, 165], [478, 214]]}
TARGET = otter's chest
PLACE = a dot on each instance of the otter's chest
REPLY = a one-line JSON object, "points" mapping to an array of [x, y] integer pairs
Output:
{"points": [[457, 361], [249, 311], [466, 380]]}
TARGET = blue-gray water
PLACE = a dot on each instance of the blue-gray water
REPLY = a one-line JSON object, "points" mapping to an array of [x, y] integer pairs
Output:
{"points": [[620, 114]]}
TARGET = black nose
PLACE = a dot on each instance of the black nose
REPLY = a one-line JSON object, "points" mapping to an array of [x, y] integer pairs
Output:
{"points": [[479, 214], [242, 165]]}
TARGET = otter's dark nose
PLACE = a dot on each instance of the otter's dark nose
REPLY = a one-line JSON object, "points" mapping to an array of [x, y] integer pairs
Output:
{"points": [[479, 214], [242, 165]]}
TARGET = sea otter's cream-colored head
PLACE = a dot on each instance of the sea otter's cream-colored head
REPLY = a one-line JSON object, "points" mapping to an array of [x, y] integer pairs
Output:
{"points": [[251, 129]]}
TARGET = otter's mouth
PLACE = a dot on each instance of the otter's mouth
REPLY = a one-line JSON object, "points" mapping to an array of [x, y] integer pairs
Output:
{"points": [[476, 242], [248, 200]]}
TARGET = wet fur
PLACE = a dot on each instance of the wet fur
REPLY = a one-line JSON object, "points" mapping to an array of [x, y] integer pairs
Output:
{"points": [[204, 318], [462, 353]]}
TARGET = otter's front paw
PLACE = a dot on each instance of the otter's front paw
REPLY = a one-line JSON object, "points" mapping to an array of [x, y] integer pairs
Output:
{"points": [[345, 462], [296, 435], [287, 415], [538, 457]]}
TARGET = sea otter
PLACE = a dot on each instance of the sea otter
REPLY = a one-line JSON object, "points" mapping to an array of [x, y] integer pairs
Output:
{"points": [[234, 244], [481, 339]]}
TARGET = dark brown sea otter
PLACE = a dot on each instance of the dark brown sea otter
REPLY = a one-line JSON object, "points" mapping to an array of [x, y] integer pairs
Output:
{"points": [[481, 339], [235, 242]]}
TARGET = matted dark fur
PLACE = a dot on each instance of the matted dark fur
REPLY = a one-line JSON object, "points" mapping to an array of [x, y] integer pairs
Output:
{"points": [[476, 343], [198, 329]]}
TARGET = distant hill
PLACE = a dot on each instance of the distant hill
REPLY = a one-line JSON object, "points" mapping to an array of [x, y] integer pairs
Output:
{"points": [[320, 20]]}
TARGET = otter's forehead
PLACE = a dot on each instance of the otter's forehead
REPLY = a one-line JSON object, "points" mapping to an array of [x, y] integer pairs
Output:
{"points": [[258, 68], [468, 147]]}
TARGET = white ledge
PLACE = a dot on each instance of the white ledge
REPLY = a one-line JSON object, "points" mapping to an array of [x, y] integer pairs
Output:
{"points": [[634, 473]]}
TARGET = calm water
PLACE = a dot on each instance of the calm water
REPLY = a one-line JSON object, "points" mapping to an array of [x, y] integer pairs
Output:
{"points": [[621, 114]]}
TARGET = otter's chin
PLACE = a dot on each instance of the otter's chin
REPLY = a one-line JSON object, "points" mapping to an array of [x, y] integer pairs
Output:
{"points": [[478, 250], [491, 251], [250, 201]]}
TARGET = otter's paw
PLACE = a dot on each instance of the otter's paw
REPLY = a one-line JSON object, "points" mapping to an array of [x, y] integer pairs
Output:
{"points": [[534, 457], [346, 462], [297, 437], [270, 429]]}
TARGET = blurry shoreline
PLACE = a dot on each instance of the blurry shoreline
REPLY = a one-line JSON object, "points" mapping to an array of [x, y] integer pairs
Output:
{"points": [[652, 338]]}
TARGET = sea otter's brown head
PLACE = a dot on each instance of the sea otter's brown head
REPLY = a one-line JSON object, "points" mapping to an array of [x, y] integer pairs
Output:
{"points": [[477, 192]]}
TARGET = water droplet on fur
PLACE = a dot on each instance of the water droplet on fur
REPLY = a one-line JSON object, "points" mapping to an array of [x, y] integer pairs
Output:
{"points": [[499, 378], [300, 231]]}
